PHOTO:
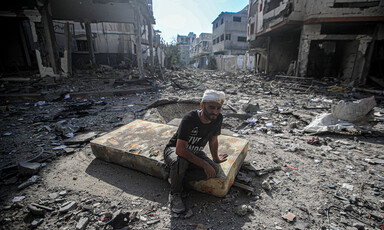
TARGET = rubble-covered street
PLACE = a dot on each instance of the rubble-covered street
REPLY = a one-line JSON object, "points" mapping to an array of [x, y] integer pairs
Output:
{"points": [[51, 180]]}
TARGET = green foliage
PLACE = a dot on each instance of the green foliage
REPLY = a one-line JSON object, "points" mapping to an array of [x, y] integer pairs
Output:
{"points": [[172, 56]]}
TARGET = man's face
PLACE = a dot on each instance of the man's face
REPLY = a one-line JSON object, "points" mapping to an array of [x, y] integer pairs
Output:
{"points": [[211, 110]]}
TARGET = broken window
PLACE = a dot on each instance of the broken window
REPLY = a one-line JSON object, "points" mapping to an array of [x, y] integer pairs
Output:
{"points": [[241, 39], [271, 5], [236, 19], [216, 24], [228, 37], [222, 37], [222, 21], [252, 29]]}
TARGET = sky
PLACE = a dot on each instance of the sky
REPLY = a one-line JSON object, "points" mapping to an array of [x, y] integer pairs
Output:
{"points": [[175, 17]]}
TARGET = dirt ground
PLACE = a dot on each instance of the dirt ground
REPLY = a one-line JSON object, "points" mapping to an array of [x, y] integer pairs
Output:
{"points": [[327, 181]]}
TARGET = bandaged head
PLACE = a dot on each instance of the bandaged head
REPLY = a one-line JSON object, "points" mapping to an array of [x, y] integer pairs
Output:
{"points": [[211, 95]]}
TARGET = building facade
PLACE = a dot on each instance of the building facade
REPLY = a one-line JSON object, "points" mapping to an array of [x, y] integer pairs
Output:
{"points": [[341, 39], [201, 49], [52, 34], [229, 33], [183, 42]]}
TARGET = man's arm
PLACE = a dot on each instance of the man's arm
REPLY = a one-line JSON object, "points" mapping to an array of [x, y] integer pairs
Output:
{"points": [[182, 151], [213, 147]]}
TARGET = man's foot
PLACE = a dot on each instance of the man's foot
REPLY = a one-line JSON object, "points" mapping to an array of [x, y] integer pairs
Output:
{"points": [[177, 205]]}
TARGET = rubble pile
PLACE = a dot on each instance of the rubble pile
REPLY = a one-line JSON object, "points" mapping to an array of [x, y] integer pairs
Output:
{"points": [[291, 179]]}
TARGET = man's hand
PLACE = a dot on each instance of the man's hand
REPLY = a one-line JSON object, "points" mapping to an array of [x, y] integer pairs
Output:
{"points": [[210, 171], [222, 158]]}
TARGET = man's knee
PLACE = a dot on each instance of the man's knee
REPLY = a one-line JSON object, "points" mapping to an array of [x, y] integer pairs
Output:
{"points": [[182, 163]]}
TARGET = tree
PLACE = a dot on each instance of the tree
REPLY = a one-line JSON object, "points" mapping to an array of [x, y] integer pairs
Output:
{"points": [[172, 56]]}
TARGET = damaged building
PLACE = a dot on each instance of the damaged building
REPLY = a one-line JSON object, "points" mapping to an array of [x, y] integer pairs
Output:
{"points": [[50, 36], [200, 50], [184, 42], [340, 39], [229, 34]]}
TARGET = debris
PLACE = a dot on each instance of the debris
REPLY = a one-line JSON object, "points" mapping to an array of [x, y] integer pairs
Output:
{"points": [[66, 128], [352, 116], [289, 216], [82, 223], [359, 226], [35, 210], [81, 138], [348, 208], [314, 141], [251, 108], [266, 186], [68, 206], [265, 171], [242, 177], [338, 89], [37, 222], [149, 222], [188, 214], [119, 219], [60, 147], [347, 186], [243, 210], [353, 111], [375, 161], [18, 198], [243, 186], [69, 150], [28, 168], [290, 166], [40, 103], [301, 225], [29, 182], [381, 202], [42, 206], [201, 227], [332, 186], [276, 181]]}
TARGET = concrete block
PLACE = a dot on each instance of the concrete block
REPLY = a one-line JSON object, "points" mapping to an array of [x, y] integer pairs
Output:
{"points": [[28, 168], [81, 138], [68, 206], [139, 145]]}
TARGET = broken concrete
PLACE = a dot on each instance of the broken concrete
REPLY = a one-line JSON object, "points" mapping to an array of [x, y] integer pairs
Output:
{"points": [[100, 188], [29, 168]]}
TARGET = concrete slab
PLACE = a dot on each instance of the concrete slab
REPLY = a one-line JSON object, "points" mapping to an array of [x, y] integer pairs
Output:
{"points": [[81, 138], [139, 145]]}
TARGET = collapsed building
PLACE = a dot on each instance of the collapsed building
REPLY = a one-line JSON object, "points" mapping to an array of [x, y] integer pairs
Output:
{"points": [[342, 39], [51, 36]]}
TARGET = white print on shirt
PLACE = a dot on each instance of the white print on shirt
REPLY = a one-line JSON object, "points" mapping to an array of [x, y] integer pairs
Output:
{"points": [[194, 140], [195, 131], [194, 148]]}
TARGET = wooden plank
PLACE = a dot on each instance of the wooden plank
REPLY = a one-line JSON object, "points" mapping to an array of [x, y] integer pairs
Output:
{"points": [[243, 186]]}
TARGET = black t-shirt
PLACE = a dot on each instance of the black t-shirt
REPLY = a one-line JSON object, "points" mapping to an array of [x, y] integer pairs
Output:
{"points": [[197, 134]]}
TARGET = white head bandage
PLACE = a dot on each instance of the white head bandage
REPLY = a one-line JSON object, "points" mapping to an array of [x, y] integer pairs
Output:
{"points": [[211, 95]]}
